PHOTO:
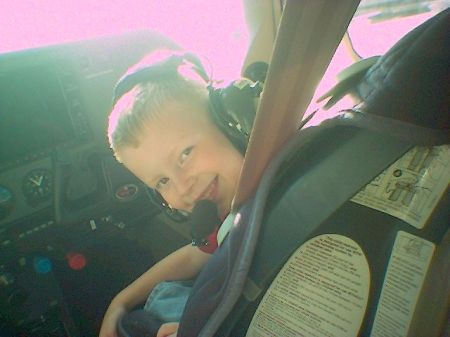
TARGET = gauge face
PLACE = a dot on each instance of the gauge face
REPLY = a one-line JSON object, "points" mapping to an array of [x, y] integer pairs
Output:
{"points": [[38, 185], [6, 201], [127, 192]]}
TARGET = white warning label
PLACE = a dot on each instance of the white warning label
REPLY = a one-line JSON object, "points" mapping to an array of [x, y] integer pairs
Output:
{"points": [[322, 290], [411, 187], [407, 268]]}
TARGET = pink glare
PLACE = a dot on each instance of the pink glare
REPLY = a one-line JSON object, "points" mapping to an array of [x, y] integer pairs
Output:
{"points": [[213, 28]]}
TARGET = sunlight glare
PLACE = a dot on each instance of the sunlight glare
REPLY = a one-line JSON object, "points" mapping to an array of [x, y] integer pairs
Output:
{"points": [[214, 29]]}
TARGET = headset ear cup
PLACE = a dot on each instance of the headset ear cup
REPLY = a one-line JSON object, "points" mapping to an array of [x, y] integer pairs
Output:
{"points": [[233, 109], [225, 122], [240, 100], [257, 71]]}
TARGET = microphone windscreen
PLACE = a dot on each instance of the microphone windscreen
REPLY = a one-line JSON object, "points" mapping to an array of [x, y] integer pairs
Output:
{"points": [[203, 219]]}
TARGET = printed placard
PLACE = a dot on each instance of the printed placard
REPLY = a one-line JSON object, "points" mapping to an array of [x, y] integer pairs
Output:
{"points": [[322, 290], [405, 275], [410, 188]]}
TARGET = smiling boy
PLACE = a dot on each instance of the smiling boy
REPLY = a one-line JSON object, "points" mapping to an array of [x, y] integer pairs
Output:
{"points": [[162, 130]]}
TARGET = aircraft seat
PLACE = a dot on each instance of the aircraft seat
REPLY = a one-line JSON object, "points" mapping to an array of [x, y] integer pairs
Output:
{"points": [[334, 216], [348, 232]]}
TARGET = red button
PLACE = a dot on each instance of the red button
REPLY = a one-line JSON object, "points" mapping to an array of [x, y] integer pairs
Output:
{"points": [[76, 261]]}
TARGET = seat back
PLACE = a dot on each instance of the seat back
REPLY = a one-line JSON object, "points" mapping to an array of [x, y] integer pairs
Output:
{"points": [[358, 270], [307, 195]]}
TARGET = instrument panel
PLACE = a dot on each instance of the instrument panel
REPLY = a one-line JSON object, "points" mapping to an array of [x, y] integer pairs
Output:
{"points": [[25, 189], [64, 199], [54, 104]]}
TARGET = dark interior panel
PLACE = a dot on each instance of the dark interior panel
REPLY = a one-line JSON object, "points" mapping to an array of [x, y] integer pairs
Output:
{"points": [[75, 225]]}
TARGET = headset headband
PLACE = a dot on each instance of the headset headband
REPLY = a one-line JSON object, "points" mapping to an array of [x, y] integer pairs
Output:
{"points": [[146, 73]]}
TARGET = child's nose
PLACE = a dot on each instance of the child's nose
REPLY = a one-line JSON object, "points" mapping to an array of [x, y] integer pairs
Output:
{"points": [[184, 183]]}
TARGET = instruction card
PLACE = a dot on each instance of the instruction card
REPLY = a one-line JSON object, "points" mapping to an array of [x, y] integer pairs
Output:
{"points": [[410, 188], [405, 275], [322, 290]]}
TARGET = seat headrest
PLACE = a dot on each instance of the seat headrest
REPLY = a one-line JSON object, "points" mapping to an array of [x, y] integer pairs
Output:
{"points": [[411, 82]]}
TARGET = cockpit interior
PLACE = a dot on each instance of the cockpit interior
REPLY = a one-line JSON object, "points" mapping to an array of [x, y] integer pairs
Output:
{"points": [[76, 226]]}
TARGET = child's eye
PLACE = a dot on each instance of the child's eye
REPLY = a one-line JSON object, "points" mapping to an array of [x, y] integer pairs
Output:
{"points": [[161, 183], [186, 152]]}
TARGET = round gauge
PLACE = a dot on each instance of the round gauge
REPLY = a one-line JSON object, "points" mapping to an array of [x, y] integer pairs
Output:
{"points": [[38, 185], [6, 201], [127, 192]]}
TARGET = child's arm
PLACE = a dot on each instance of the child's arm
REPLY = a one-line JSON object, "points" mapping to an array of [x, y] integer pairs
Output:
{"points": [[185, 263], [168, 330]]}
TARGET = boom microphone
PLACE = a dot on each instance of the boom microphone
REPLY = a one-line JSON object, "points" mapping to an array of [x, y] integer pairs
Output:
{"points": [[203, 222]]}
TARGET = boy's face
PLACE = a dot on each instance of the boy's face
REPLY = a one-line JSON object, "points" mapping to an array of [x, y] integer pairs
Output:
{"points": [[186, 158]]}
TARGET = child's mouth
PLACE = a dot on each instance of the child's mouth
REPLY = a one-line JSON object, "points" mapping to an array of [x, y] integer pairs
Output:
{"points": [[210, 193]]}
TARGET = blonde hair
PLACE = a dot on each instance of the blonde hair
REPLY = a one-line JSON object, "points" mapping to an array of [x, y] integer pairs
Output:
{"points": [[135, 109]]}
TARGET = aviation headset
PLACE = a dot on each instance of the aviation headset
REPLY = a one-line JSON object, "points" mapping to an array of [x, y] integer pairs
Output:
{"points": [[232, 108]]}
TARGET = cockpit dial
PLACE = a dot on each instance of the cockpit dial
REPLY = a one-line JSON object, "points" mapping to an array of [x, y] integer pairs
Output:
{"points": [[38, 185]]}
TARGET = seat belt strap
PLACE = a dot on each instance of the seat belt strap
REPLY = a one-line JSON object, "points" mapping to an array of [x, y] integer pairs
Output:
{"points": [[308, 36]]}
